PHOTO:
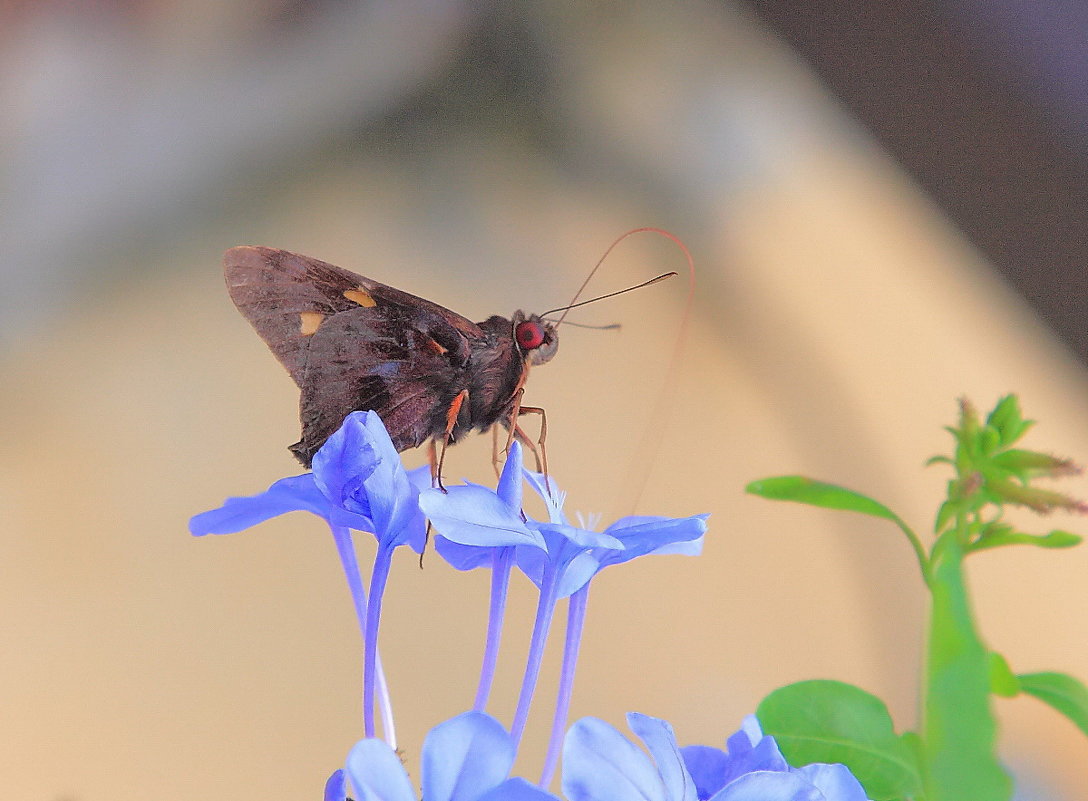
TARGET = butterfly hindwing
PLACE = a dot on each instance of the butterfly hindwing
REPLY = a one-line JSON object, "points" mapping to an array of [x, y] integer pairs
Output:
{"points": [[362, 359]]}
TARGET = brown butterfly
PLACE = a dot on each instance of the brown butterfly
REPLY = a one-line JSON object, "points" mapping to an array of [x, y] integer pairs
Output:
{"points": [[351, 343]]}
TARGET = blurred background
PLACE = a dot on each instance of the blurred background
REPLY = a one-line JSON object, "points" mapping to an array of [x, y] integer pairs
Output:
{"points": [[885, 202]]}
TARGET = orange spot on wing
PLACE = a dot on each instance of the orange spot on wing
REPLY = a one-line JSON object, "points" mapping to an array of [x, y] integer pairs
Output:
{"points": [[360, 296], [308, 322]]}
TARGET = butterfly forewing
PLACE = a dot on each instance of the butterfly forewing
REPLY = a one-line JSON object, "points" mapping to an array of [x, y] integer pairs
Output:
{"points": [[352, 343], [284, 296]]}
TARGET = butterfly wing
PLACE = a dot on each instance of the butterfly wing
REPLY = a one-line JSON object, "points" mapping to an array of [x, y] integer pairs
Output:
{"points": [[352, 343]]}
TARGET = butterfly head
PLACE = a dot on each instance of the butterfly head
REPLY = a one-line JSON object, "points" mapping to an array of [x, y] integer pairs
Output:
{"points": [[536, 338]]}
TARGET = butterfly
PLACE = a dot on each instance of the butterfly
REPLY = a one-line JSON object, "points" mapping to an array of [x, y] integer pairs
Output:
{"points": [[351, 343]]}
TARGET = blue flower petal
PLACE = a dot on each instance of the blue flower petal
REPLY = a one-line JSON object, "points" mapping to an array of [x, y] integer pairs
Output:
{"points": [[580, 536], [645, 535], [465, 757], [707, 767], [294, 494], [473, 515], [660, 740], [359, 470], [518, 789], [553, 499], [420, 478], [579, 571], [509, 486], [685, 548], [346, 519], [346, 459], [769, 786], [393, 500], [577, 566], [376, 774], [463, 557], [531, 562], [410, 525], [335, 787], [750, 750], [631, 521], [600, 764], [765, 756], [836, 782], [750, 729]]}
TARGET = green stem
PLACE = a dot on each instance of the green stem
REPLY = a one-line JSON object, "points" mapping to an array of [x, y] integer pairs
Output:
{"points": [[916, 544], [958, 727]]}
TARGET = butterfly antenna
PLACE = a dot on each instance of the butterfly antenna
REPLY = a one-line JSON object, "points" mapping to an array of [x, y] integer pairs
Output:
{"points": [[566, 309], [609, 327], [600, 261]]}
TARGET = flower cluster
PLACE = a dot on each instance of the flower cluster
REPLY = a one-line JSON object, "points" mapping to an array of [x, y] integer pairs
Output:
{"points": [[358, 483], [470, 757]]}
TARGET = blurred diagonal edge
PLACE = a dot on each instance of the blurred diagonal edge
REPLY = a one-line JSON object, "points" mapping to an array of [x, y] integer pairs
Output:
{"points": [[944, 90], [109, 142]]}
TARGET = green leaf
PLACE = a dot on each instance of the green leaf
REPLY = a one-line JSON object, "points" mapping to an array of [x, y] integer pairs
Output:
{"points": [[1059, 539], [945, 512], [831, 496], [829, 721], [960, 732], [969, 423], [1002, 680], [1061, 691], [817, 493], [1053, 539], [913, 743], [989, 440], [1026, 465], [1007, 419]]}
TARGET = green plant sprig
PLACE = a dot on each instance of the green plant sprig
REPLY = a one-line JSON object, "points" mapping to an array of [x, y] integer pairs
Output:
{"points": [[952, 756]]}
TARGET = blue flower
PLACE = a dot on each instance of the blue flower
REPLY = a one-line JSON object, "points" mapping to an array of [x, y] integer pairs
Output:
{"points": [[472, 520], [357, 482], [563, 568], [467, 758], [747, 751], [336, 786], [600, 764], [584, 552], [475, 515]]}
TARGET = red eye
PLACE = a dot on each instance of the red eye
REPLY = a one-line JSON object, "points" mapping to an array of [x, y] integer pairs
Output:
{"points": [[529, 335]]}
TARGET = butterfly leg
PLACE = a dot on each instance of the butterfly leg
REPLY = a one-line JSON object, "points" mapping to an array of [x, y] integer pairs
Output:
{"points": [[495, 451], [519, 433], [532, 446], [543, 459], [540, 452], [451, 421], [432, 460], [512, 425]]}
